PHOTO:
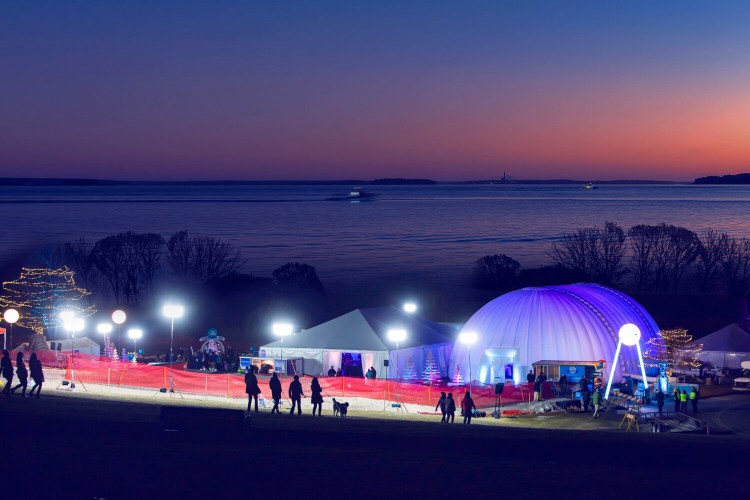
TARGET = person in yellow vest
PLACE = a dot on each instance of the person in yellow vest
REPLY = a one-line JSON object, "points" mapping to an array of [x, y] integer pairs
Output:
{"points": [[694, 399], [683, 402]]}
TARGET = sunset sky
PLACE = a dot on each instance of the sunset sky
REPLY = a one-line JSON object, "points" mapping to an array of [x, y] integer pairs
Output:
{"points": [[335, 90]]}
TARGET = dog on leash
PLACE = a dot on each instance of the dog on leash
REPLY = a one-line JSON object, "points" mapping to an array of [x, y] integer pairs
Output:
{"points": [[340, 409]]}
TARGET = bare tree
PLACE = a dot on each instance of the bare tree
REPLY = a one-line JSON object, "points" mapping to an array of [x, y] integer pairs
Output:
{"points": [[198, 259], [129, 263], [496, 272], [596, 252], [683, 250], [712, 247], [643, 245], [79, 258], [736, 265], [297, 276]]}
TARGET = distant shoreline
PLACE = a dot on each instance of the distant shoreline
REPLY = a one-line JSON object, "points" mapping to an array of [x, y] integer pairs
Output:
{"points": [[61, 182]]}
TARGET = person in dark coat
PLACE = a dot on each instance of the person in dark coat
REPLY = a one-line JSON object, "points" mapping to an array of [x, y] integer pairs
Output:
{"points": [[22, 374], [441, 404], [251, 387], [35, 367], [585, 393], [538, 389], [7, 372], [530, 377], [374, 372], [660, 400], [450, 408], [275, 385], [295, 394], [332, 372], [317, 396], [676, 396], [467, 405]]}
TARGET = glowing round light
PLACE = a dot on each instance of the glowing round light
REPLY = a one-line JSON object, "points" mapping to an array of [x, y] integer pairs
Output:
{"points": [[104, 328], [173, 311], [11, 316], [119, 317], [397, 335], [467, 338], [410, 307], [135, 333], [630, 334], [282, 329], [74, 324]]}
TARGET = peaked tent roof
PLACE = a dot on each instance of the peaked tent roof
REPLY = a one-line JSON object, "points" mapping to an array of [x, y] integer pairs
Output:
{"points": [[731, 338], [367, 330]]}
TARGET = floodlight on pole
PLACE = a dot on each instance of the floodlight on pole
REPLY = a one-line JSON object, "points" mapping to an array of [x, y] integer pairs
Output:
{"points": [[397, 335], [410, 307], [629, 335], [72, 325], [10, 317], [467, 339], [135, 334], [104, 328], [282, 330], [172, 311]]}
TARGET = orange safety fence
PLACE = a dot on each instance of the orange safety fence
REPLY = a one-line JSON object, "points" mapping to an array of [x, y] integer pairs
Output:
{"points": [[104, 371]]}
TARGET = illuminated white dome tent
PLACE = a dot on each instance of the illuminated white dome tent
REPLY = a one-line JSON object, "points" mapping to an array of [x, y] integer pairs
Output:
{"points": [[566, 323]]}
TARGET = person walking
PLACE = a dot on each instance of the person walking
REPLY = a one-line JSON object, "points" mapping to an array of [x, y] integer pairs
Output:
{"points": [[35, 367], [295, 394], [316, 396], [450, 408], [585, 393], [676, 395], [275, 385], [22, 374], [693, 399], [441, 404], [659, 400], [251, 387], [467, 405], [538, 388], [683, 402], [596, 399], [7, 372]]}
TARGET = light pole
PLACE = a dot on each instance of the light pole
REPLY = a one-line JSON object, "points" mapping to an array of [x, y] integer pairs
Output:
{"points": [[172, 311], [10, 317], [467, 339], [105, 329], [135, 334], [397, 335], [282, 330], [118, 318], [73, 325]]}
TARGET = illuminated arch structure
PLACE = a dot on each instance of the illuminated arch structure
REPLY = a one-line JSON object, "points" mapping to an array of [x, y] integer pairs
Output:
{"points": [[569, 323]]}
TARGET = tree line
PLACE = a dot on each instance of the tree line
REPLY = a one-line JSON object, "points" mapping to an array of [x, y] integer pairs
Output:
{"points": [[657, 258]]}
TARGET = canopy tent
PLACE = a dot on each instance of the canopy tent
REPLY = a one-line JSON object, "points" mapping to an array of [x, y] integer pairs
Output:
{"points": [[84, 345], [726, 348], [365, 332]]}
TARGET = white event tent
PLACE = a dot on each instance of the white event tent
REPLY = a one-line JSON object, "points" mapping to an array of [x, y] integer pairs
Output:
{"points": [[726, 348], [365, 332]]}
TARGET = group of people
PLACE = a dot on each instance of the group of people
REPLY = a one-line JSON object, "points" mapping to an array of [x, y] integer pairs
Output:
{"points": [[681, 399], [211, 361], [447, 406], [294, 392], [37, 375]]}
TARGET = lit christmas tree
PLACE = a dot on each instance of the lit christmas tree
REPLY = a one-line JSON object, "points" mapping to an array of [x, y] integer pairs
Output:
{"points": [[110, 351], [40, 294], [457, 378], [409, 374], [675, 348], [431, 374]]}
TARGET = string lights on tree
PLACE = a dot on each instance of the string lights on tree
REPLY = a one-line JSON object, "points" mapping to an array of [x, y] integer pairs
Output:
{"points": [[40, 294], [675, 348]]}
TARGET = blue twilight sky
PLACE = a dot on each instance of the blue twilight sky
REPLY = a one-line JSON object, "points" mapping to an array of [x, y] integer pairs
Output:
{"points": [[325, 90]]}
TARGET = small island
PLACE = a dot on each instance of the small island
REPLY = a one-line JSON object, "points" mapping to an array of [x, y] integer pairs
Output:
{"points": [[724, 179]]}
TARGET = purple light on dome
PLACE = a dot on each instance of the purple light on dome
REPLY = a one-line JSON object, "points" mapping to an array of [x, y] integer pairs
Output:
{"points": [[565, 323]]}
